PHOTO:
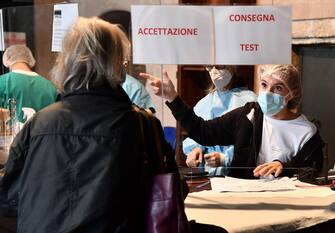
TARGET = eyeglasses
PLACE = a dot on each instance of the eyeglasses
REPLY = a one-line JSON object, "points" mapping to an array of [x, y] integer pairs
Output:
{"points": [[218, 67]]}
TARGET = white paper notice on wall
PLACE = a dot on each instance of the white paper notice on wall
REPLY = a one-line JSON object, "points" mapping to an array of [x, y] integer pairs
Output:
{"points": [[253, 34], [63, 17], [243, 35], [172, 34], [2, 41]]}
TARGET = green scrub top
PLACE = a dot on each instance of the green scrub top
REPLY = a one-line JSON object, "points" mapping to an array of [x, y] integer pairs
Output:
{"points": [[30, 91]]}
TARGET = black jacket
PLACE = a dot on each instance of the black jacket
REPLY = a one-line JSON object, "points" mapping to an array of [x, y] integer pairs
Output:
{"points": [[234, 128], [77, 167]]}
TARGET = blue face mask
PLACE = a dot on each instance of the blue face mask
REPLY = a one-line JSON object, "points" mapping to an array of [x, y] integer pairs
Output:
{"points": [[270, 103]]}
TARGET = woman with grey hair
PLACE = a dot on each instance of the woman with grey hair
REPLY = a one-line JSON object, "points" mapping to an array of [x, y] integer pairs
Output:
{"points": [[269, 136], [70, 168]]}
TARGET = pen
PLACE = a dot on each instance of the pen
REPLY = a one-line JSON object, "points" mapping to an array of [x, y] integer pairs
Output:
{"points": [[202, 185]]}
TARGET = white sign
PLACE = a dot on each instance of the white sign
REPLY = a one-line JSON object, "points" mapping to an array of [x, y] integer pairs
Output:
{"points": [[211, 34], [172, 34], [63, 17], [252, 35], [2, 43]]}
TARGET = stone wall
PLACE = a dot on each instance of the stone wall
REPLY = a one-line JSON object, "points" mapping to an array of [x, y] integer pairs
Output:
{"points": [[313, 20]]}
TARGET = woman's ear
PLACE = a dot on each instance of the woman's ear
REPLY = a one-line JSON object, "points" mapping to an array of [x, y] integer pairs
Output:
{"points": [[288, 97], [5, 62]]}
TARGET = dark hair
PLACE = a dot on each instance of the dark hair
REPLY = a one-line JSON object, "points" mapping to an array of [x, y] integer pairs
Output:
{"points": [[120, 17]]}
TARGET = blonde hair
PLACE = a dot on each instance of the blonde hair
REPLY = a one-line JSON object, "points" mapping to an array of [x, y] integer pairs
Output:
{"points": [[18, 53], [290, 76], [93, 52]]}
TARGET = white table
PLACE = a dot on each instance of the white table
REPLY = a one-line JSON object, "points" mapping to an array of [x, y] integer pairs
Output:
{"points": [[282, 211]]}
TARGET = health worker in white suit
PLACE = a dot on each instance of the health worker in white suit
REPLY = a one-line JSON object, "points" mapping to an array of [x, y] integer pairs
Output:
{"points": [[227, 92]]}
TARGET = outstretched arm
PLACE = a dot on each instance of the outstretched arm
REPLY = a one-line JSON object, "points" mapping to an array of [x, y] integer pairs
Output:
{"points": [[219, 131], [161, 87]]}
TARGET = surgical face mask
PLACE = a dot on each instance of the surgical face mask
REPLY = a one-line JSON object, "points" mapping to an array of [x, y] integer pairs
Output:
{"points": [[271, 103], [221, 78]]}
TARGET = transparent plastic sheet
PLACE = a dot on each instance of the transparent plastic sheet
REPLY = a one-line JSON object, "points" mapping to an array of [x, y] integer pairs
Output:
{"points": [[313, 52], [36, 23], [316, 45], [33, 26]]}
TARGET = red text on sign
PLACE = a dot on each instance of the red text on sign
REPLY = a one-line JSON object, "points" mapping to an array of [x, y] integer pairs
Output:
{"points": [[249, 47], [252, 18], [168, 31]]}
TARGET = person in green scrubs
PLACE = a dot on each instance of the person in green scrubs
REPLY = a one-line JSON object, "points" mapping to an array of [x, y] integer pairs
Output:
{"points": [[29, 89]]}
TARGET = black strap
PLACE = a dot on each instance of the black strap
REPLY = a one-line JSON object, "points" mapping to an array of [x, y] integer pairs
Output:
{"points": [[147, 116]]}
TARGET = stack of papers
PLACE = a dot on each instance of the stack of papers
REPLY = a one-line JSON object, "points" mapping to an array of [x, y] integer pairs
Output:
{"points": [[229, 184]]}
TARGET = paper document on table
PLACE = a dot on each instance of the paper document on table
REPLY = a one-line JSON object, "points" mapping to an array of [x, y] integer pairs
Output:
{"points": [[229, 184]]}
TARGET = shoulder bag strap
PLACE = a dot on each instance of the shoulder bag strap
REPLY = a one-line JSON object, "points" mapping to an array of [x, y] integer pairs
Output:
{"points": [[152, 122]]}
